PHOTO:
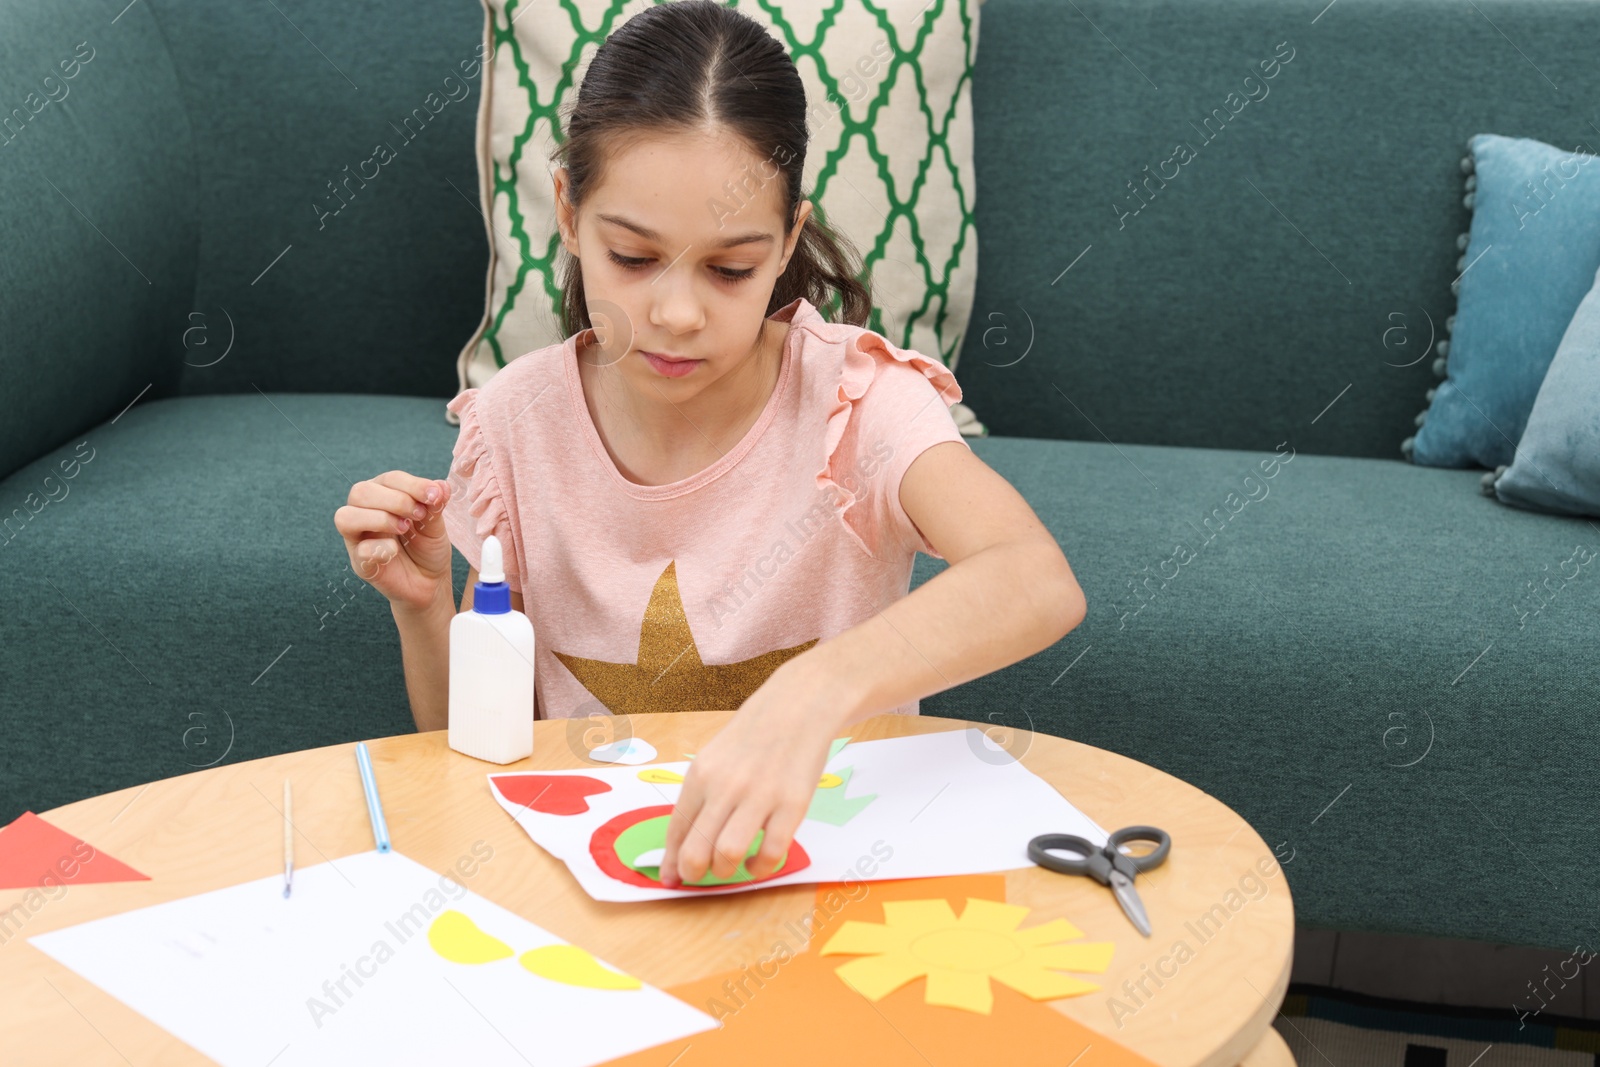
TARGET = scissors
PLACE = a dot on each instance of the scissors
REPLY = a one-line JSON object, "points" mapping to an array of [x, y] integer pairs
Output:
{"points": [[1111, 865]]}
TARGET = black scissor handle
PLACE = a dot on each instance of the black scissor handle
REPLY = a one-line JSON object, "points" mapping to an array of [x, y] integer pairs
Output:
{"points": [[1084, 862], [1098, 862], [1154, 858]]}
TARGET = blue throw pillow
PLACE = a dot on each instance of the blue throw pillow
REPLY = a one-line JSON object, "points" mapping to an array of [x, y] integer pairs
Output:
{"points": [[1558, 459], [1531, 256]]}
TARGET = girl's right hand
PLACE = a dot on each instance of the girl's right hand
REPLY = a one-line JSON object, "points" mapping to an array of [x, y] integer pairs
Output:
{"points": [[393, 530]]}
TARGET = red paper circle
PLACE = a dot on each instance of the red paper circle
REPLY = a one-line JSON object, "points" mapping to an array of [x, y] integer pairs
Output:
{"points": [[603, 847]]}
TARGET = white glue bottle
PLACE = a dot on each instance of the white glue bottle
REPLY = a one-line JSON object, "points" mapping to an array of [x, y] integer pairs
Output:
{"points": [[491, 670]]}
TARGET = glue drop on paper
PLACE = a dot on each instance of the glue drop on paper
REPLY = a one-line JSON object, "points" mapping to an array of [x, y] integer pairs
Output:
{"points": [[491, 670]]}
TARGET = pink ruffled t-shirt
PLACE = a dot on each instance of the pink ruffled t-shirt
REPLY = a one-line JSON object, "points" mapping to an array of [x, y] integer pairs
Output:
{"points": [[648, 598]]}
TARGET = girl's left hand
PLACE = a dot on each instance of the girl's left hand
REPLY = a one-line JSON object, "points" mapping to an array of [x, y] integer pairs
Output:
{"points": [[759, 772]]}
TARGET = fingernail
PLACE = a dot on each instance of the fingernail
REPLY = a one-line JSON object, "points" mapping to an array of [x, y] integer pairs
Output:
{"points": [[419, 512], [433, 494], [403, 525]]}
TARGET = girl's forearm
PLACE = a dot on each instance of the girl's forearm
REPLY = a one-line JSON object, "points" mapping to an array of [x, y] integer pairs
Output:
{"points": [[425, 652], [995, 607]]}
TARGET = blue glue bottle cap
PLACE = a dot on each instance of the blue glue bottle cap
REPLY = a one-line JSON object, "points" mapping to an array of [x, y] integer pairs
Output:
{"points": [[491, 595]]}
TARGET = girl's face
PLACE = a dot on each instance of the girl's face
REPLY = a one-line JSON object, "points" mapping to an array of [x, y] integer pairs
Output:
{"points": [[682, 242]]}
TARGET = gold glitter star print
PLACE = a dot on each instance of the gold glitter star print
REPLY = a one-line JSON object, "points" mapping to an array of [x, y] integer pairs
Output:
{"points": [[669, 675]]}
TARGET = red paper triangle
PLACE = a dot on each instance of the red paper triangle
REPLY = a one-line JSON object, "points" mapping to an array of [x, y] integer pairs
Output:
{"points": [[34, 853]]}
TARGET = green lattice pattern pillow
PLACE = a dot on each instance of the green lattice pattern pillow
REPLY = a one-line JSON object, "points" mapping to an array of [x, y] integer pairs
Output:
{"points": [[889, 92]]}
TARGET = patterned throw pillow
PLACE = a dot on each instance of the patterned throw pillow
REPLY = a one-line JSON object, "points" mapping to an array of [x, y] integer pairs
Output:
{"points": [[873, 80]]}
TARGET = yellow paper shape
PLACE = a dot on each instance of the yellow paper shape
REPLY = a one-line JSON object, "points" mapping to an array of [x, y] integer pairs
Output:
{"points": [[573, 966], [458, 939], [959, 956], [830, 781]]}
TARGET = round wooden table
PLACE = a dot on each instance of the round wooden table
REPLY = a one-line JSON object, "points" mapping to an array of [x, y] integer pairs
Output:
{"points": [[1220, 893]]}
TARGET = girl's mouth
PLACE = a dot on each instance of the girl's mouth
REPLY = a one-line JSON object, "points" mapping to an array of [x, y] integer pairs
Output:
{"points": [[669, 367]]}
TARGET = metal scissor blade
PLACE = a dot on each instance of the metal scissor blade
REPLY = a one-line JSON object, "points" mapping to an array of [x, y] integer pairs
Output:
{"points": [[1128, 897]]}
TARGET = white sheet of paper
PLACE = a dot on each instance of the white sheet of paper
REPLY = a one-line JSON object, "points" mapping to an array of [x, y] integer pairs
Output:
{"points": [[239, 974], [946, 803]]}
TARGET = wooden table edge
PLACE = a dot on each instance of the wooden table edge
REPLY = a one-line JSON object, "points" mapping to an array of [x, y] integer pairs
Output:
{"points": [[1241, 1048]]}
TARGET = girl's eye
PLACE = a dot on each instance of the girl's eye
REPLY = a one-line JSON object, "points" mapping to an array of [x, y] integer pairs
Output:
{"points": [[636, 263], [626, 262]]}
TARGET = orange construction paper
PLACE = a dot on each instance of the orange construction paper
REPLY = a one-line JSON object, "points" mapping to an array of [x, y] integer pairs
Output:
{"points": [[797, 1013], [33, 853]]}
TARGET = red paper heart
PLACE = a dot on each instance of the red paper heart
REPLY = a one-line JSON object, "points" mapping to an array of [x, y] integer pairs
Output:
{"points": [[552, 794]]}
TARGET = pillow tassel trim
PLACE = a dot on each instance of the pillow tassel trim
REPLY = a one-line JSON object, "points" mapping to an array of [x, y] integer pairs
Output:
{"points": [[1441, 364], [1487, 482]]}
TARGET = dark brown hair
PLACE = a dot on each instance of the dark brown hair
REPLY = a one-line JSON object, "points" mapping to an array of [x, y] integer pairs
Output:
{"points": [[689, 66]]}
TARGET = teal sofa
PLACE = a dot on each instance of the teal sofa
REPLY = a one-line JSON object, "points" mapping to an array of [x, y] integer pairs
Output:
{"points": [[198, 360]]}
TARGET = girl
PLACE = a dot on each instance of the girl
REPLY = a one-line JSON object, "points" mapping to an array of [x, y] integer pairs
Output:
{"points": [[710, 496]]}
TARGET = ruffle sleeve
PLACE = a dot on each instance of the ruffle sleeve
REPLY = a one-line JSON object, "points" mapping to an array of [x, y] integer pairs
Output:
{"points": [[891, 404], [476, 508]]}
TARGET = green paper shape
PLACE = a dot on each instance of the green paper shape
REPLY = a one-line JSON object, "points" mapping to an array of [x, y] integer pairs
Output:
{"points": [[652, 833], [832, 806]]}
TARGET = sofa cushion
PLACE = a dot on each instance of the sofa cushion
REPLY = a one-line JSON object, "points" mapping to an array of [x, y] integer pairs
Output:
{"points": [[338, 239], [96, 220], [1223, 297], [1347, 617], [184, 598], [1531, 256]]}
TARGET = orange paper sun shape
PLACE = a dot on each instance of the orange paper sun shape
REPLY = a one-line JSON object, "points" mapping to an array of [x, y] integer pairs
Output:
{"points": [[923, 938]]}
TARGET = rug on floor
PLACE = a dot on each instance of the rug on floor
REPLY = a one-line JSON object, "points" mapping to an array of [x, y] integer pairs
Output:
{"points": [[1325, 1027]]}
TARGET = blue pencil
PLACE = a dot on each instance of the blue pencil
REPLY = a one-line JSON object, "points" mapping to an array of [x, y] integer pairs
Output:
{"points": [[380, 829]]}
